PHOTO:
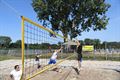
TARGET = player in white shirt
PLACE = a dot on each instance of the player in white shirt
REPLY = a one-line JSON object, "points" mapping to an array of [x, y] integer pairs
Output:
{"points": [[16, 73], [54, 56]]}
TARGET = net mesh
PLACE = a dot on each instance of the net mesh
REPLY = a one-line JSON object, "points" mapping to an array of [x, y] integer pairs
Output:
{"points": [[39, 45]]}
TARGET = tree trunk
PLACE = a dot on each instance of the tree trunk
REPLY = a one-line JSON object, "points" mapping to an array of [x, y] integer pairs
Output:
{"points": [[66, 36]]}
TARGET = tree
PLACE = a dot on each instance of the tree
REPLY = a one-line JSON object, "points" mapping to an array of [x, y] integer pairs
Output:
{"points": [[18, 43], [96, 43], [104, 45], [72, 17], [81, 42], [114, 45], [88, 41], [5, 41]]}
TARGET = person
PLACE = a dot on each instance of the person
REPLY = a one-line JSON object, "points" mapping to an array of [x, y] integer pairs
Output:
{"points": [[16, 73], [50, 49], [54, 56], [37, 61], [79, 54]]}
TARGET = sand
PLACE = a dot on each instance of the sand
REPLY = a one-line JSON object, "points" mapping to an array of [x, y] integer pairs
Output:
{"points": [[91, 70]]}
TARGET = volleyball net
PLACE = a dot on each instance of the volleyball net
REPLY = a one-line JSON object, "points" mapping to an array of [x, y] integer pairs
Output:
{"points": [[38, 44]]}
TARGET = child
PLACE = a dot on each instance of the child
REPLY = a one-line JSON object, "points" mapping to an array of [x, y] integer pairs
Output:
{"points": [[37, 61]]}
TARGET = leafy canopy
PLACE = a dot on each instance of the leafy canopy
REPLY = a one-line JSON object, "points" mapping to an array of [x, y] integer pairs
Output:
{"points": [[72, 17], [5, 41]]}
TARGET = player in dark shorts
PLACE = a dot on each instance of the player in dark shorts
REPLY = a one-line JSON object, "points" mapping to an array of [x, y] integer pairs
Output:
{"points": [[79, 54], [37, 61]]}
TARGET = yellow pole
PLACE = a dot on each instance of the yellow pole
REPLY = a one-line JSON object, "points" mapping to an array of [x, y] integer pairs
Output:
{"points": [[22, 45]]}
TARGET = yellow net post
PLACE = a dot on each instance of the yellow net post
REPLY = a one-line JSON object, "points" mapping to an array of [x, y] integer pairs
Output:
{"points": [[22, 45]]}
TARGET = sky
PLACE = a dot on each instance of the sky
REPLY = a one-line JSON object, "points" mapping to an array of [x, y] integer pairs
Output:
{"points": [[10, 20]]}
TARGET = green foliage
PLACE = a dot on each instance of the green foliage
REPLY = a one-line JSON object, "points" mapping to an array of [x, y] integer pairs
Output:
{"points": [[104, 45], [5, 41], [72, 17], [110, 45], [88, 41], [42, 46], [17, 44], [95, 42]]}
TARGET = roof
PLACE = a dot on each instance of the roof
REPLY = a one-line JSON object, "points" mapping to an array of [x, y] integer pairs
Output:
{"points": [[70, 43]]}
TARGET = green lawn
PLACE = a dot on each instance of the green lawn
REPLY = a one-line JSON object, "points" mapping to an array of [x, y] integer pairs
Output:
{"points": [[90, 56], [6, 57]]}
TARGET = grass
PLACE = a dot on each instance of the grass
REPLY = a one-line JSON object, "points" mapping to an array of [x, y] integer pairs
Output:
{"points": [[7, 57], [112, 57], [89, 56]]}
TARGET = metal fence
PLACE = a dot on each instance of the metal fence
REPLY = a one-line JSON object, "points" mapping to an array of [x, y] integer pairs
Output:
{"points": [[96, 53], [102, 54]]}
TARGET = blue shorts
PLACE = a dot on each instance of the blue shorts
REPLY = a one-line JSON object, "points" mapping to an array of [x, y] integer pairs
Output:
{"points": [[52, 61], [80, 59]]}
